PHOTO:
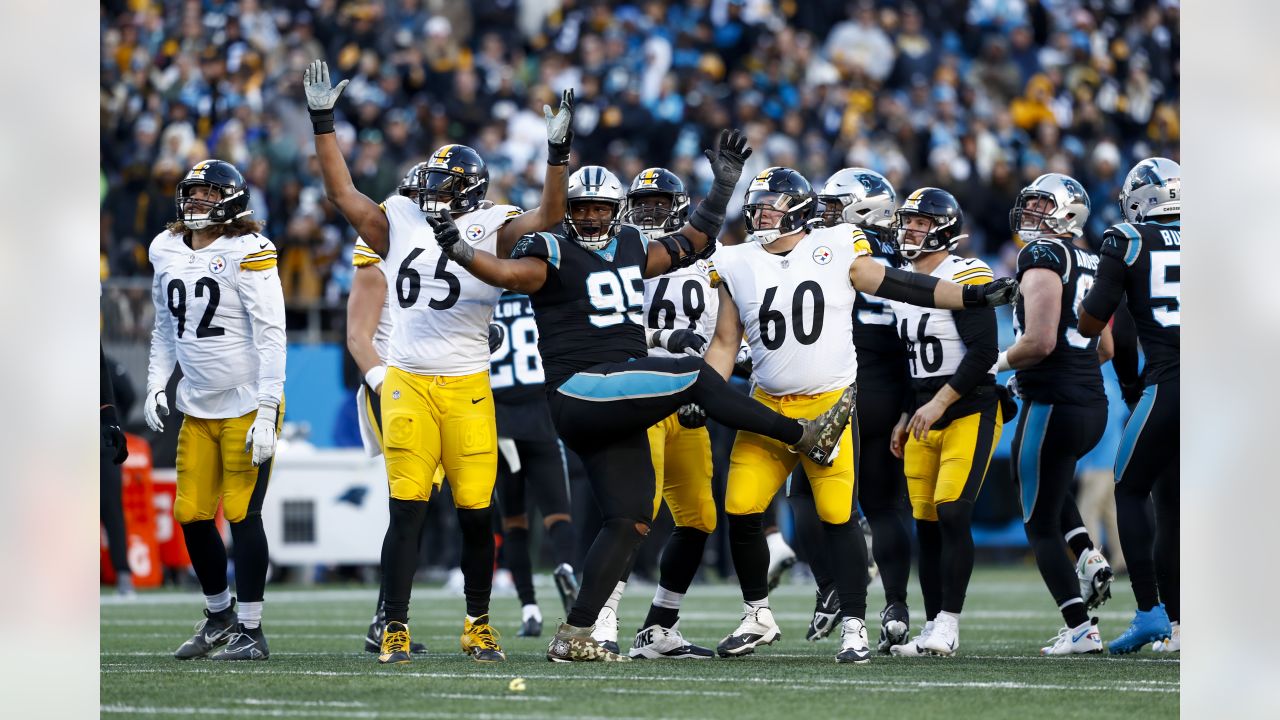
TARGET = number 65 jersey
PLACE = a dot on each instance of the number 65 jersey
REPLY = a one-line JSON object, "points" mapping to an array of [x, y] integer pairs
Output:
{"points": [[797, 309], [220, 315]]}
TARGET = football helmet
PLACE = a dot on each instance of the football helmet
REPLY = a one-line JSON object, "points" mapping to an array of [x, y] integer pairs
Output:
{"points": [[859, 196], [655, 221], [408, 186], [784, 190], [595, 184], [940, 207], [455, 179], [1066, 214], [1152, 187], [232, 195]]}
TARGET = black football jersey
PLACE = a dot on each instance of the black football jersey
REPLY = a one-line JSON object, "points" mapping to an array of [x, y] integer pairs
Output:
{"points": [[591, 308], [882, 357], [1152, 255], [1070, 374], [515, 369]]}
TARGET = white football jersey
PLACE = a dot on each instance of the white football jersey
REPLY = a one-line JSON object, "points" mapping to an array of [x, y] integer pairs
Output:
{"points": [[934, 347], [797, 309], [364, 256], [681, 299], [440, 313], [220, 316]]}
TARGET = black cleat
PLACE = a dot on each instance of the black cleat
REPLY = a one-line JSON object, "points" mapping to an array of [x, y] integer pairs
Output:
{"points": [[826, 610], [567, 585], [531, 627], [821, 439], [895, 626], [244, 644], [215, 630]]}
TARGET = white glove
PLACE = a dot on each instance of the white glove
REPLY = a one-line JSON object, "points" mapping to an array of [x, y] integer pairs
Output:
{"points": [[321, 95], [261, 439], [157, 406]]}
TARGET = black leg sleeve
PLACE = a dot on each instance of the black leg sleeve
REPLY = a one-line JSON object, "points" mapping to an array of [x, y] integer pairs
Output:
{"points": [[680, 560], [740, 411], [562, 546], [249, 545], [849, 565], [515, 548], [607, 560], [111, 512], [750, 555], [208, 555], [1167, 553], [930, 536], [477, 558], [809, 533], [400, 555], [954, 520]]}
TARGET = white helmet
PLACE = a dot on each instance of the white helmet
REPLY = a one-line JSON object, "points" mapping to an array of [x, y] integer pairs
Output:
{"points": [[1152, 187], [859, 196], [1066, 216], [596, 184]]}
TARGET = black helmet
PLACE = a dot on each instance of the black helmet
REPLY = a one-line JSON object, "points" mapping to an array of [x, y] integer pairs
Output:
{"points": [[455, 178], [233, 194], [651, 220], [940, 207], [782, 189], [408, 186]]}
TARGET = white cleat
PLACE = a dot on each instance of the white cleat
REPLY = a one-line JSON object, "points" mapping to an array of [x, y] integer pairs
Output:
{"points": [[914, 648], [1081, 640], [854, 647], [945, 638], [606, 630], [781, 558], [1094, 573], [1171, 644], [658, 643], [757, 628]]}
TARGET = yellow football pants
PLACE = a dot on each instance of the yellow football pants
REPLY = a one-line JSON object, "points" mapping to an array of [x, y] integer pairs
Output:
{"points": [[682, 473], [213, 466], [373, 411], [950, 464]]}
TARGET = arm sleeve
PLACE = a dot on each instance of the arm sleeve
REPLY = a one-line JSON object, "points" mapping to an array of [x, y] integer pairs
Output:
{"points": [[1125, 335], [977, 328], [160, 366], [263, 300], [1120, 247]]}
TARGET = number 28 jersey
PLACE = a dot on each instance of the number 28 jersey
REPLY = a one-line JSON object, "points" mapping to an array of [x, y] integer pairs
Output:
{"points": [[439, 312], [681, 300], [797, 309]]}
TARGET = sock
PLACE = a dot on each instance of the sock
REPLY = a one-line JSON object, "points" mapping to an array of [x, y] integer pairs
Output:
{"points": [[846, 543], [530, 611], [750, 553], [250, 614], [615, 597], [954, 616], [665, 610], [208, 555], [740, 412], [957, 553], [250, 550], [930, 537], [750, 605], [516, 551], [1073, 612], [562, 543], [606, 561], [1079, 542], [218, 603], [477, 558], [400, 555]]}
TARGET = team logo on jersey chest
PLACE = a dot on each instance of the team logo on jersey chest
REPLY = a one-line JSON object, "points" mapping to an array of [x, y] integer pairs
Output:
{"points": [[822, 255], [217, 264], [475, 232]]}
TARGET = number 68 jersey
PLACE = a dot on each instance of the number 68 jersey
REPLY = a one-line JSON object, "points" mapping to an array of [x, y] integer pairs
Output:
{"points": [[220, 315], [797, 309], [681, 300]]}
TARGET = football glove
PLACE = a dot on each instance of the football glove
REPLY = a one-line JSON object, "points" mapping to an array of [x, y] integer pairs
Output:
{"points": [[682, 341], [321, 95], [1131, 392], [156, 407], [1001, 291], [113, 440], [1012, 387], [559, 129], [691, 416], [449, 239], [261, 438], [728, 157], [497, 333]]}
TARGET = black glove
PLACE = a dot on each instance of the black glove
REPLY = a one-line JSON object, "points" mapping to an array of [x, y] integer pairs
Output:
{"points": [[1002, 291], [682, 341], [497, 333], [691, 416], [449, 239], [559, 130], [726, 160], [113, 440], [1132, 392]]}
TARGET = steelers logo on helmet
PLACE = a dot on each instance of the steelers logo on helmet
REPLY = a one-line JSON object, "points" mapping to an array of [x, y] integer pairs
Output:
{"points": [[929, 220], [475, 232], [454, 179], [594, 207], [779, 202], [657, 202], [212, 193]]}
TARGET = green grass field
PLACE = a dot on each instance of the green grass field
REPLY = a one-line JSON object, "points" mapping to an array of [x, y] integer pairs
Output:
{"points": [[317, 669]]}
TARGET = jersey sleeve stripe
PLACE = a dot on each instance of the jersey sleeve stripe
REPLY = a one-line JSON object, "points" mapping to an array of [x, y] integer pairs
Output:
{"points": [[259, 264], [553, 249], [1135, 243], [361, 260], [973, 273]]}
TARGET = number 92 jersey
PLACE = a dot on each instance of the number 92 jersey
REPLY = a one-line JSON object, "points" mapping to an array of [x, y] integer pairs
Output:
{"points": [[797, 309], [439, 312], [681, 300]]}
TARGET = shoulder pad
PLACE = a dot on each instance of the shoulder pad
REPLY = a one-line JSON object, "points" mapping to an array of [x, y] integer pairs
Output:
{"points": [[1123, 242], [1045, 254], [363, 255], [543, 245], [971, 271], [259, 253]]}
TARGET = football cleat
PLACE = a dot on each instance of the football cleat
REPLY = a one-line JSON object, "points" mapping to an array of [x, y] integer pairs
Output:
{"points": [[895, 625], [945, 638], [215, 630], [757, 628], [531, 622], [480, 640], [395, 644], [781, 558], [567, 585], [1094, 573], [605, 631], [825, 611], [244, 644], [1171, 644], [1146, 627], [1082, 640], [914, 648], [821, 440], [873, 570], [373, 639], [658, 643], [853, 642], [575, 644]]}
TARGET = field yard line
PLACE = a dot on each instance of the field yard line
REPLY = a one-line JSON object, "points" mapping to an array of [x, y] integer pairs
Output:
{"points": [[304, 703], [698, 693], [345, 713]]}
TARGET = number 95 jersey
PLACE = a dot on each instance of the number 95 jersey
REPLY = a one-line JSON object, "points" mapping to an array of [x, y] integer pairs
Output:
{"points": [[439, 312], [797, 309]]}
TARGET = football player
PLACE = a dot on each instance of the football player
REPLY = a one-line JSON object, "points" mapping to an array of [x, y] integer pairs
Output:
{"points": [[792, 294], [1141, 261], [437, 407], [1064, 411], [220, 315], [947, 444]]}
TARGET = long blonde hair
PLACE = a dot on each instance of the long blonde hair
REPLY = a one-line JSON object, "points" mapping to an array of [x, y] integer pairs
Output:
{"points": [[235, 228]]}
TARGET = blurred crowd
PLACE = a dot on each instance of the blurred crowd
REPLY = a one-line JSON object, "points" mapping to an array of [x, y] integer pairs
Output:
{"points": [[976, 96]]}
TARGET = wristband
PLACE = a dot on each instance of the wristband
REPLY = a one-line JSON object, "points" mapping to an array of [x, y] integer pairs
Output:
{"points": [[375, 376], [1002, 362], [321, 121]]}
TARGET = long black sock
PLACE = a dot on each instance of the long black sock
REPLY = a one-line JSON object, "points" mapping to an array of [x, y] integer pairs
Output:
{"points": [[250, 550], [1072, 524], [740, 412], [477, 558], [750, 555], [679, 563], [400, 555], [930, 536], [1137, 533], [848, 552], [382, 593], [605, 564], [515, 548], [812, 540], [891, 545], [208, 555], [1167, 551], [957, 553], [560, 533]]}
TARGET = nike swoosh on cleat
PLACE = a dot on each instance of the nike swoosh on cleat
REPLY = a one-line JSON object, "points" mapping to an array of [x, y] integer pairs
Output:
{"points": [[1076, 638], [263, 245]]}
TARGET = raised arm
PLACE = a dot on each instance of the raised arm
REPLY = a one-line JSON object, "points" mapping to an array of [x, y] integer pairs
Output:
{"points": [[728, 338], [872, 278], [525, 274], [555, 186], [363, 214], [364, 311]]}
